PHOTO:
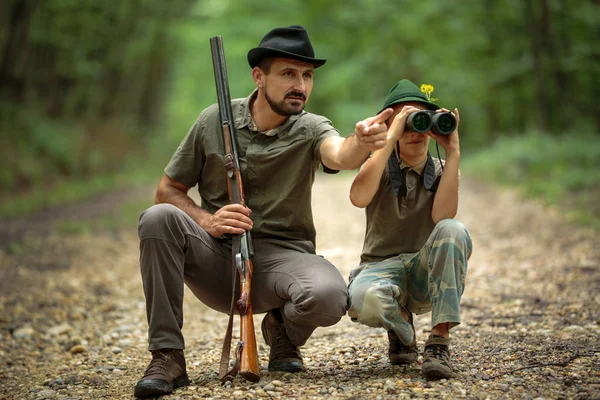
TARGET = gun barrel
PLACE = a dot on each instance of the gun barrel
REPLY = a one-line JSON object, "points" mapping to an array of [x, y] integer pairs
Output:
{"points": [[223, 96], [247, 354]]}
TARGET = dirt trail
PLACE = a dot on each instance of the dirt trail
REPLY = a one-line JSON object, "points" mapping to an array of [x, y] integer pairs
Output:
{"points": [[72, 319]]}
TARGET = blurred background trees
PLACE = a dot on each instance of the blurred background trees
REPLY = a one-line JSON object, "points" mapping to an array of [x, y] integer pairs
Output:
{"points": [[92, 87]]}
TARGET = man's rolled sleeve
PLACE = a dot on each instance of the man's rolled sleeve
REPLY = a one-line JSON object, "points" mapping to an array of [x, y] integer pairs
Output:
{"points": [[323, 130], [187, 162]]}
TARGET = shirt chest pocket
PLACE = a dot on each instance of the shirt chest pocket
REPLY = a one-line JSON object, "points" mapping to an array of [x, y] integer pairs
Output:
{"points": [[295, 143]]}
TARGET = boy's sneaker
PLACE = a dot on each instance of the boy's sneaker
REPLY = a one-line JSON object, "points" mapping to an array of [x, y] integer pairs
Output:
{"points": [[399, 353], [436, 358]]}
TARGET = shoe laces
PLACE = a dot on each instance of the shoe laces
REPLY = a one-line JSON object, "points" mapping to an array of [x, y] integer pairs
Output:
{"points": [[438, 351]]}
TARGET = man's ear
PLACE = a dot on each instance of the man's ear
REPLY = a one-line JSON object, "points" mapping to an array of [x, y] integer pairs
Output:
{"points": [[259, 77]]}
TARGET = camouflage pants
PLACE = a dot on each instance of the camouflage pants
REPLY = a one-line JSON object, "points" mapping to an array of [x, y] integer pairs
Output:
{"points": [[432, 279]]}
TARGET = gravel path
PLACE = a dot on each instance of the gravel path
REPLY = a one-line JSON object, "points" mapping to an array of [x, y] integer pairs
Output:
{"points": [[72, 319]]}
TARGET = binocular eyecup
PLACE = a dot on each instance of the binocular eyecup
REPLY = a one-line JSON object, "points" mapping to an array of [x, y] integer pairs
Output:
{"points": [[440, 123]]}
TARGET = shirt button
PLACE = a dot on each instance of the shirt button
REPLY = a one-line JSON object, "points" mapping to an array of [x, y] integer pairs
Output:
{"points": [[256, 191], [410, 186]]}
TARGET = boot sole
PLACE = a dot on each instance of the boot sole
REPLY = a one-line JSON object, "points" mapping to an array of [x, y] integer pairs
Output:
{"points": [[404, 359], [437, 372], [287, 367], [159, 387]]}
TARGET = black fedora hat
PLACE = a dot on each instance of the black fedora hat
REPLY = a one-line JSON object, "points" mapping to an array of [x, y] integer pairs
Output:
{"points": [[291, 42]]}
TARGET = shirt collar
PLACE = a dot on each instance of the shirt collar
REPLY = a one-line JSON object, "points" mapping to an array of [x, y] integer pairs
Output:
{"points": [[417, 168], [243, 118]]}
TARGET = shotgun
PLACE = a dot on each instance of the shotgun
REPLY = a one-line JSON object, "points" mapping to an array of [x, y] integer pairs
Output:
{"points": [[246, 353]]}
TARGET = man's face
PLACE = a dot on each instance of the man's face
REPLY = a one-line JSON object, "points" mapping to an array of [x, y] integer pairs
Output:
{"points": [[412, 144], [287, 86]]}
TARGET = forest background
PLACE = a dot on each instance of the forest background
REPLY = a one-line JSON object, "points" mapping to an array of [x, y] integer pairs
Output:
{"points": [[96, 95]]}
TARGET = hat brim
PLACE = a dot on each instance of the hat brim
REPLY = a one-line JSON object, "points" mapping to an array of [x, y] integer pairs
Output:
{"points": [[257, 54], [407, 99]]}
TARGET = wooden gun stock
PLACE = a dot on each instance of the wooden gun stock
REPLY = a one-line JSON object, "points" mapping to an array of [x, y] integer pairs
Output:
{"points": [[249, 369], [246, 350]]}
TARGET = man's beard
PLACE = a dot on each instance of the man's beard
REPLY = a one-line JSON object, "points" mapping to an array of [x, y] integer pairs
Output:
{"points": [[283, 109]]}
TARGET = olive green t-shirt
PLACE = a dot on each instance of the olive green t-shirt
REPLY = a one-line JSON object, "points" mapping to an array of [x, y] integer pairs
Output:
{"points": [[277, 167], [400, 224]]}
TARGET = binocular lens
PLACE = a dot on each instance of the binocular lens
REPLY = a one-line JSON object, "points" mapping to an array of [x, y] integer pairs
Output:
{"points": [[443, 123], [419, 121]]}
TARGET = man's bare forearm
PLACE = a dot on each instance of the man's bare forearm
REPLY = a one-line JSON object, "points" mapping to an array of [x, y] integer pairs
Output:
{"points": [[343, 153], [352, 155], [176, 194], [351, 152]]}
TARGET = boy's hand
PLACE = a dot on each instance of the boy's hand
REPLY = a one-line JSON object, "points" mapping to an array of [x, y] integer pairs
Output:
{"points": [[450, 142], [399, 122], [372, 132]]}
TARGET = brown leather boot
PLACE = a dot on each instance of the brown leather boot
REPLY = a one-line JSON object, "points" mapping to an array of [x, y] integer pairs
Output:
{"points": [[165, 373], [284, 355]]}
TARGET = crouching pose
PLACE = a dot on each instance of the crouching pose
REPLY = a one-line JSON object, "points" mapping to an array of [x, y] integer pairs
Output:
{"points": [[280, 148], [414, 257]]}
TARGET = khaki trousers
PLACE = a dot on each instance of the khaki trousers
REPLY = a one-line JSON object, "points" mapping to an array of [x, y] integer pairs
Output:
{"points": [[288, 275]]}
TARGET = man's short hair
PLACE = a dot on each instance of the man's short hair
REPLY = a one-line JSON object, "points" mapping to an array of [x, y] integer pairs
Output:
{"points": [[265, 65]]}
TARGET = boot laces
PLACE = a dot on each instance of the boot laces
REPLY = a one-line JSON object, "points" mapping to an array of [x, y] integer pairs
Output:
{"points": [[159, 363], [282, 346]]}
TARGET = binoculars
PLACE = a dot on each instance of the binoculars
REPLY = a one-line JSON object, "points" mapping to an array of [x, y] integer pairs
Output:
{"points": [[440, 123]]}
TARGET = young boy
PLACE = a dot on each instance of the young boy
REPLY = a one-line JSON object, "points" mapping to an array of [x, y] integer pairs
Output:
{"points": [[414, 257]]}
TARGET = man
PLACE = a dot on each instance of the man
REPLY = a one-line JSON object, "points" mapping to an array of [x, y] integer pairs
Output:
{"points": [[414, 257], [280, 146]]}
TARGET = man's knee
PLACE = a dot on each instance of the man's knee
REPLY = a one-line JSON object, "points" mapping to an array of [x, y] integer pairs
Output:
{"points": [[331, 298], [153, 220], [324, 303]]}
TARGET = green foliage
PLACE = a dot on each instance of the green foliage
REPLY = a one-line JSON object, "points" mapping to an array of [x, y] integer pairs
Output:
{"points": [[562, 170], [81, 83], [93, 87], [502, 80]]}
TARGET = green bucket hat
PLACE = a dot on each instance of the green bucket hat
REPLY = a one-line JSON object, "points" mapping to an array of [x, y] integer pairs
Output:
{"points": [[405, 91]]}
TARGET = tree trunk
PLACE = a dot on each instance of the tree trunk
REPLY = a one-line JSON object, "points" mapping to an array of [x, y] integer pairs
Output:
{"points": [[14, 47], [540, 90]]}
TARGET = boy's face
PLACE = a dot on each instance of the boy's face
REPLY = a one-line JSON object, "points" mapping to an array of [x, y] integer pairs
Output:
{"points": [[412, 144]]}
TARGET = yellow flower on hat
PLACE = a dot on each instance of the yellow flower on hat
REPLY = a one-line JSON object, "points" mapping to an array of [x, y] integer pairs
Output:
{"points": [[428, 89]]}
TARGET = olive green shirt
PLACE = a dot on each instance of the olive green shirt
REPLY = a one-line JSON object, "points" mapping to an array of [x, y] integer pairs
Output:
{"points": [[277, 167], [400, 224]]}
